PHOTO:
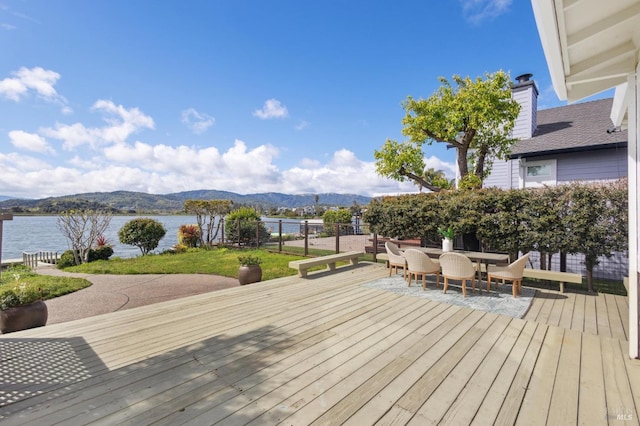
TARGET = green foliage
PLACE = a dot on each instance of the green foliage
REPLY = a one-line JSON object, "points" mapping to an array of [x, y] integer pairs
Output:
{"points": [[590, 219], [144, 233], [439, 179], [249, 259], [400, 161], [242, 225], [100, 253], [470, 181], [591, 227], [474, 116], [446, 233], [342, 217], [18, 293], [21, 286], [66, 259]]}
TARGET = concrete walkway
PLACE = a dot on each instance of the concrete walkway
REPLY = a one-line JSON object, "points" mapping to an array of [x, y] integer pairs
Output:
{"points": [[110, 293]]}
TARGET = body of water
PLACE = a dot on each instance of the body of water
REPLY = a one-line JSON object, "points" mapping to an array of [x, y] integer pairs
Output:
{"points": [[41, 233]]}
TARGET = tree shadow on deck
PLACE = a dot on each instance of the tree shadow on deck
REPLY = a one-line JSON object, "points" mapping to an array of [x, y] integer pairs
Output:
{"points": [[208, 380], [30, 367]]}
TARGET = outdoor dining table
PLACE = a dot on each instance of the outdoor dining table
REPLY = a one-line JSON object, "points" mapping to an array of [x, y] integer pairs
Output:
{"points": [[478, 257]]}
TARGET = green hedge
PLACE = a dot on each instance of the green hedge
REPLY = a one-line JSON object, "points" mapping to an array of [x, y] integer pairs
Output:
{"points": [[576, 218]]}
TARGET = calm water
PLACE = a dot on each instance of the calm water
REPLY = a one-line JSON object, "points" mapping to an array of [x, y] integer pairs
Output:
{"points": [[41, 233]]}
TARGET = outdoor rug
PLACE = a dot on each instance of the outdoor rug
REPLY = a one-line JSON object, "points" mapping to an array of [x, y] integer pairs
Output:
{"points": [[499, 301]]}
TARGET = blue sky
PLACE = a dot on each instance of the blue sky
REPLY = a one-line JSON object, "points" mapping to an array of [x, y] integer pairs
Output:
{"points": [[245, 96]]}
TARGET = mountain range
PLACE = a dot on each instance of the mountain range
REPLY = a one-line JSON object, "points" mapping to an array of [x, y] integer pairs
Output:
{"points": [[140, 202]]}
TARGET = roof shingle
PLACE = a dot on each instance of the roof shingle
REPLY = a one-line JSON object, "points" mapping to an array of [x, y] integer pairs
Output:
{"points": [[576, 127]]}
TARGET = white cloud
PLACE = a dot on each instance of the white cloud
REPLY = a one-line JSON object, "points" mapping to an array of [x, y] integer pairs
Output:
{"points": [[343, 173], [35, 80], [30, 142], [122, 123], [449, 169], [302, 124], [309, 163], [7, 27], [477, 11], [197, 122], [272, 108], [145, 167]]}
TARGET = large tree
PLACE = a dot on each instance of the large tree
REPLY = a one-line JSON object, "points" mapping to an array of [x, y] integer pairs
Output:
{"points": [[474, 116]]}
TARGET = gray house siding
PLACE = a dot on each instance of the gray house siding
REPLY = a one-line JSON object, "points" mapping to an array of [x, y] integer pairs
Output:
{"points": [[604, 164], [599, 165], [499, 176]]}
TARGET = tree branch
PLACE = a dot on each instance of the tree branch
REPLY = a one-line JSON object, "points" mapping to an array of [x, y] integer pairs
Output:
{"points": [[419, 180]]}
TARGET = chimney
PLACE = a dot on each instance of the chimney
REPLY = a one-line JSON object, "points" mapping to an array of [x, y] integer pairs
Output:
{"points": [[525, 93]]}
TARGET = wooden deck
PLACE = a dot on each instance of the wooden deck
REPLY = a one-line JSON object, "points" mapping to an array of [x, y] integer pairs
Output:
{"points": [[324, 350]]}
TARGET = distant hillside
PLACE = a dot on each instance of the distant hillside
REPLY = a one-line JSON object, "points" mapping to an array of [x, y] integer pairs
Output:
{"points": [[140, 202]]}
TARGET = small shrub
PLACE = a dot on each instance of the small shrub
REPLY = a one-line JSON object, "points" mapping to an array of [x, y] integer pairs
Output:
{"points": [[66, 260], [144, 233], [249, 259], [100, 253], [189, 235]]}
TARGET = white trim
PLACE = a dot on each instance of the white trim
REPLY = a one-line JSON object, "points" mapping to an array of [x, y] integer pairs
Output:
{"points": [[620, 104], [545, 14], [634, 216], [549, 166]]}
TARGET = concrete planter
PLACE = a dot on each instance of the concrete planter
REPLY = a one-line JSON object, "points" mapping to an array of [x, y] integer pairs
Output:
{"points": [[248, 274], [23, 317]]}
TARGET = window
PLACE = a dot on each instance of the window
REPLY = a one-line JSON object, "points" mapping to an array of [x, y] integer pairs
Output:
{"points": [[537, 173]]}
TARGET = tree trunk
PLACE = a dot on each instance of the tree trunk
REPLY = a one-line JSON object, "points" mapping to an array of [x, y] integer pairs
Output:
{"points": [[463, 167], [590, 279]]}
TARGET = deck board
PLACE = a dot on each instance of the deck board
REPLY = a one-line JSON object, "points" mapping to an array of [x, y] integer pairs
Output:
{"points": [[469, 400], [536, 403], [325, 350], [592, 395]]}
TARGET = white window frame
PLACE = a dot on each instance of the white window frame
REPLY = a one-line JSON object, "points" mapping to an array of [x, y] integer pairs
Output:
{"points": [[531, 181]]}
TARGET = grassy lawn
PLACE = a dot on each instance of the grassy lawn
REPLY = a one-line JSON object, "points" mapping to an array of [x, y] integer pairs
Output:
{"points": [[220, 261], [50, 286]]}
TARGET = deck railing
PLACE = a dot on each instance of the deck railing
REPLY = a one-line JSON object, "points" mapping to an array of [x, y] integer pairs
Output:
{"points": [[31, 259]]}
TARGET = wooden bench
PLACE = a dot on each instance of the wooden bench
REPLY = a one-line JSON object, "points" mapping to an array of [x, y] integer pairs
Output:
{"points": [[303, 265], [561, 277]]}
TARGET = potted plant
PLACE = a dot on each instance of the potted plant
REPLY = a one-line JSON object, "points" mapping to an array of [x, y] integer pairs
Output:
{"points": [[21, 307], [250, 270], [447, 238]]}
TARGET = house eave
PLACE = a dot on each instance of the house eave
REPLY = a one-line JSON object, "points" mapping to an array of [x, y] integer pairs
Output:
{"points": [[589, 148]]}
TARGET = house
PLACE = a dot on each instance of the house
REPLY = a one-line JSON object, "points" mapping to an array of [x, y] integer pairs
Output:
{"points": [[566, 144], [590, 47], [577, 142]]}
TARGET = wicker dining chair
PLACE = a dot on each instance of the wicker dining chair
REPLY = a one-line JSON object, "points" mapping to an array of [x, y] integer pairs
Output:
{"points": [[396, 259], [512, 272], [421, 265], [457, 266]]}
